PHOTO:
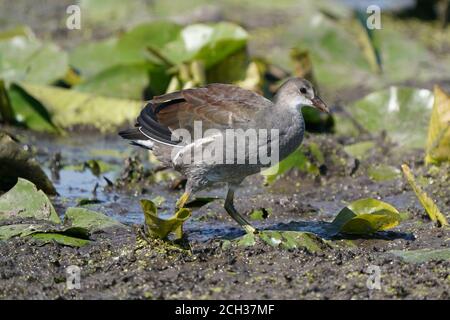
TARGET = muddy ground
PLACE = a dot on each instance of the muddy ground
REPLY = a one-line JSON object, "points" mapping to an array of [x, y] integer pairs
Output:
{"points": [[123, 265]]}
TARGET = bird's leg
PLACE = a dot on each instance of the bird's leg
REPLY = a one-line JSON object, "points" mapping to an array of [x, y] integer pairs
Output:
{"points": [[229, 207], [183, 199]]}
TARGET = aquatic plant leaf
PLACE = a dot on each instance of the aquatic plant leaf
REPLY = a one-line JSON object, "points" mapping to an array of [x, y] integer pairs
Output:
{"points": [[6, 110], [438, 142], [260, 214], [47, 237], [207, 43], [423, 255], [427, 203], [403, 113], [93, 57], [111, 14], [297, 159], [283, 239], [383, 172], [366, 216], [360, 150], [132, 45], [24, 59], [90, 220], [24, 200], [29, 112], [69, 108], [15, 162], [18, 230], [120, 81], [21, 30], [161, 228]]}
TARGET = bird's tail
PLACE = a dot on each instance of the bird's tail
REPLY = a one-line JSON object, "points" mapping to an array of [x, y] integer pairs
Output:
{"points": [[137, 138]]}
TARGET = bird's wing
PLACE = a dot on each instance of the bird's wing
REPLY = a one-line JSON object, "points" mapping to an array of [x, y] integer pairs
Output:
{"points": [[217, 106]]}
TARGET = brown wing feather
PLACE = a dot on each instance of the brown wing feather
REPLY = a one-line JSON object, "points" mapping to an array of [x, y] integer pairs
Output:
{"points": [[218, 106]]}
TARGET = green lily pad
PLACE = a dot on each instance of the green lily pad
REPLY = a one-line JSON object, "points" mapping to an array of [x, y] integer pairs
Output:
{"points": [[260, 214], [92, 57], [90, 220], [18, 230], [40, 233], [297, 159], [24, 59], [120, 81], [284, 240], [29, 112], [206, 43], [59, 238], [360, 150], [16, 162], [69, 108], [133, 44], [366, 216], [422, 255], [161, 228], [403, 113], [383, 172], [25, 201]]}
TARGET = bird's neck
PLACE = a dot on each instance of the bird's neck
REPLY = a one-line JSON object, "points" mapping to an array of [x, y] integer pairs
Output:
{"points": [[291, 126]]}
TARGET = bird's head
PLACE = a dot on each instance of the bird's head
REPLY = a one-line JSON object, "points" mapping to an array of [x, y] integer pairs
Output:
{"points": [[298, 92]]}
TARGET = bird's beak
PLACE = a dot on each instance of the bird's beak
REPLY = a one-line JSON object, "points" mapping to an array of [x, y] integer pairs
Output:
{"points": [[318, 103]]}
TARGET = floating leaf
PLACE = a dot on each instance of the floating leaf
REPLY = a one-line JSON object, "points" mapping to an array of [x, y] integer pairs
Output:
{"points": [[25, 201], [132, 45], [59, 238], [90, 220], [161, 228], [402, 112], [16, 162], [430, 207], [68, 108], [121, 81], [366, 216], [438, 143], [29, 112], [260, 214], [360, 150], [284, 239], [18, 230], [207, 43], [28, 60], [23, 31], [383, 172], [423, 255], [297, 159], [93, 57]]}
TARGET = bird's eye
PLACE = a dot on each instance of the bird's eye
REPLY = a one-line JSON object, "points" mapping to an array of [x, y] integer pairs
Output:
{"points": [[303, 90]]}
